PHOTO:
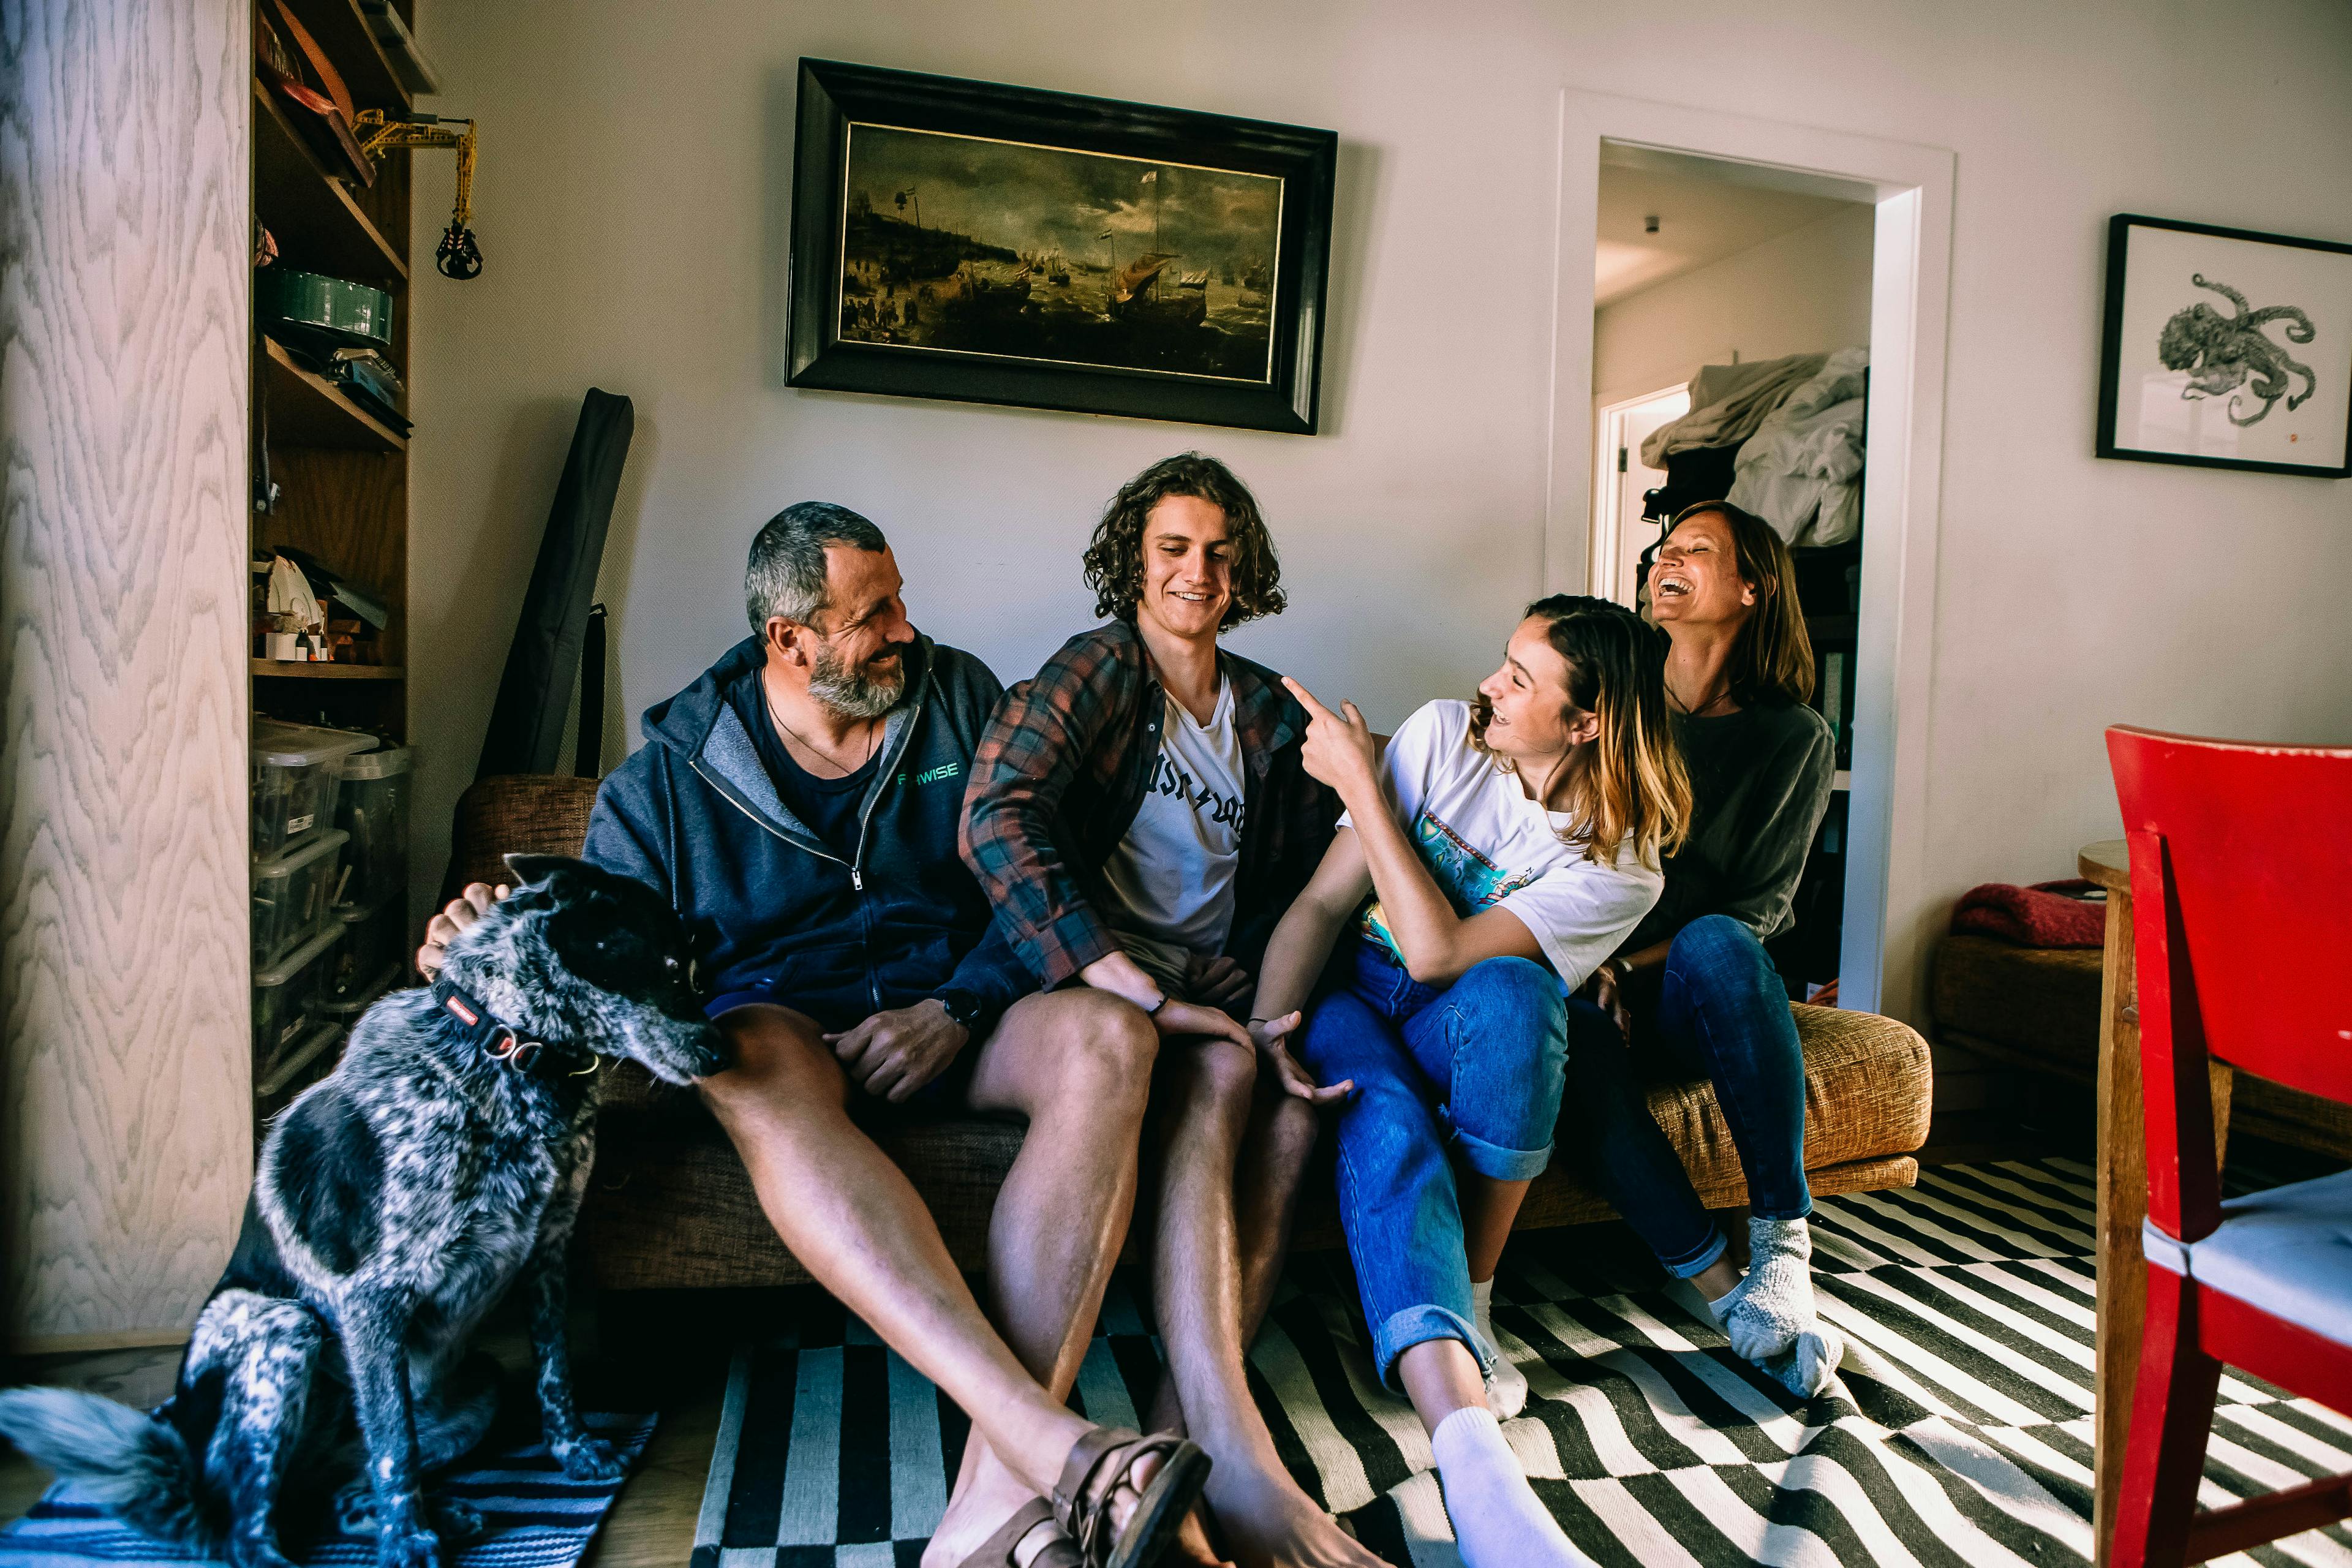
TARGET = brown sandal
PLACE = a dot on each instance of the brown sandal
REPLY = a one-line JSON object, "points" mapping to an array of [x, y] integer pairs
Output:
{"points": [[1098, 1463], [998, 1550]]}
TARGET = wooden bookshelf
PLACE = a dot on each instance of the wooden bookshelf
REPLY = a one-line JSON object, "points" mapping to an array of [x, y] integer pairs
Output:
{"points": [[285, 669], [341, 29], [318, 226], [342, 474], [306, 409]]}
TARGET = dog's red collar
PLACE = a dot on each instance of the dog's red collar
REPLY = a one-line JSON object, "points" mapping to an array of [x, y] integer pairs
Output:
{"points": [[503, 1043]]}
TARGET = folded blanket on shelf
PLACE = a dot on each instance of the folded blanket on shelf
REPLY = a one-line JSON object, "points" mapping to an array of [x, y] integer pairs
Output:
{"points": [[2047, 914], [1801, 472], [1727, 402]]}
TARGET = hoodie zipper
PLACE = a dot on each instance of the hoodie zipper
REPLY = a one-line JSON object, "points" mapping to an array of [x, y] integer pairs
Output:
{"points": [[854, 866]]}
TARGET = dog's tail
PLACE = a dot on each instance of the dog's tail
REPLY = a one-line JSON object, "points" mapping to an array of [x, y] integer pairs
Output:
{"points": [[135, 1465]]}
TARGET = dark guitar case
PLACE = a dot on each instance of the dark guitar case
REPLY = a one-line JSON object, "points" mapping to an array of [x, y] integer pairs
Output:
{"points": [[526, 729]]}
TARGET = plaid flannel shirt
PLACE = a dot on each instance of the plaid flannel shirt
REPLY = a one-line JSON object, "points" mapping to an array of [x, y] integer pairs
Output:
{"points": [[1061, 772]]}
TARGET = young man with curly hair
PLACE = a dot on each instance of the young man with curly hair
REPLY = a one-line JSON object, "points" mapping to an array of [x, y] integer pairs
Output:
{"points": [[1140, 817]]}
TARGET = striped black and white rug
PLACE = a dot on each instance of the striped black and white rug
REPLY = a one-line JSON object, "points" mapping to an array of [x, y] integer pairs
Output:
{"points": [[1958, 1436], [534, 1517]]}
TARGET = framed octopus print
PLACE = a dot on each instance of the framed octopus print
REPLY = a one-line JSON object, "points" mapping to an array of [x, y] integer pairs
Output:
{"points": [[2226, 349]]}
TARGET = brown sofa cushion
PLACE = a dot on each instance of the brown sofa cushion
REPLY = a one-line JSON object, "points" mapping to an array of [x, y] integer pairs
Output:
{"points": [[671, 1205]]}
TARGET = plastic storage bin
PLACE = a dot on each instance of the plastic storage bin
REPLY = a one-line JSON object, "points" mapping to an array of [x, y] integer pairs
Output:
{"points": [[371, 805], [375, 944], [345, 1010], [310, 1057], [294, 897], [294, 783], [286, 997]]}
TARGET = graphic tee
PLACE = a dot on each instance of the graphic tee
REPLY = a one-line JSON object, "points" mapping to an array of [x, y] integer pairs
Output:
{"points": [[1488, 845], [1171, 878]]}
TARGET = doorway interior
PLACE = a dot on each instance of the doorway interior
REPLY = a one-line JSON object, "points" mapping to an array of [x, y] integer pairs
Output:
{"points": [[1887, 918]]}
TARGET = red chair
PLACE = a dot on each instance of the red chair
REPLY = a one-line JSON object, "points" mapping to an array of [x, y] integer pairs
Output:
{"points": [[2241, 895]]}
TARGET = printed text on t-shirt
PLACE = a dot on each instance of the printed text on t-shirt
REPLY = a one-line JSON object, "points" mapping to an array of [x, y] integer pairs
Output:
{"points": [[1167, 778]]}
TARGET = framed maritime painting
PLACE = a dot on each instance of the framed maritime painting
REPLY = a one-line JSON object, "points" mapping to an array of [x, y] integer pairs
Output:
{"points": [[2226, 349], [990, 244]]}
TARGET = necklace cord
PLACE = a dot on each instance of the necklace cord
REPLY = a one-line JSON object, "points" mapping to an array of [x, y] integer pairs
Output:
{"points": [[873, 733]]}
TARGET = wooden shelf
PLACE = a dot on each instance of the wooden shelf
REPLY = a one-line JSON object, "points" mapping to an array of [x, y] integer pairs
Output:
{"points": [[317, 226], [282, 669], [309, 410], [342, 30]]}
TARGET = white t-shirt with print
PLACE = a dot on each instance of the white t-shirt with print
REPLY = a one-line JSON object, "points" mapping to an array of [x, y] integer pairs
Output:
{"points": [[1487, 845], [1172, 877]]}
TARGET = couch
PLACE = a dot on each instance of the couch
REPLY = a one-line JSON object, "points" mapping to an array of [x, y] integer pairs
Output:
{"points": [[671, 1205]]}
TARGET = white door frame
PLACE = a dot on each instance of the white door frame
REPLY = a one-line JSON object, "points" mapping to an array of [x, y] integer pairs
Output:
{"points": [[1608, 495], [1889, 920]]}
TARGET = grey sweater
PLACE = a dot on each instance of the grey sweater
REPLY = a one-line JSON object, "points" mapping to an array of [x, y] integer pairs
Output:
{"points": [[1760, 779]]}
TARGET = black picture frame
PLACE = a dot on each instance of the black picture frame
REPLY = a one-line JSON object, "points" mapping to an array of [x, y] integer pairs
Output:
{"points": [[2222, 306], [833, 95]]}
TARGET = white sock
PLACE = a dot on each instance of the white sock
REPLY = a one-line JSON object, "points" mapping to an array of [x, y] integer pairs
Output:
{"points": [[1498, 1520], [1769, 1317], [1507, 1385]]}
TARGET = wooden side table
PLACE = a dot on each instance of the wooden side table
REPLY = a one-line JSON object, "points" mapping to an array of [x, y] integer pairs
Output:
{"points": [[2123, 1186]]}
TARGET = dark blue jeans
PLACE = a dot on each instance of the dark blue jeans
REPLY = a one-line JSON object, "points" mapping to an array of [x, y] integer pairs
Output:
{"points": [[1722, 1014], [1469, 1071]]}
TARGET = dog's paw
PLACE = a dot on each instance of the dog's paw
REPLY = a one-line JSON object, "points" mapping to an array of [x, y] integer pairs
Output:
{"points": [[590, 1459], [256, 1551], [408, 1549], [458, 1523]]}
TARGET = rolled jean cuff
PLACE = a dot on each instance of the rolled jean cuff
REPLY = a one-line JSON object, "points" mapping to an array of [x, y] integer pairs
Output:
{"points": [[1498, 1163], [1418, 1325], [1802, 1211], [1700, 1260]]}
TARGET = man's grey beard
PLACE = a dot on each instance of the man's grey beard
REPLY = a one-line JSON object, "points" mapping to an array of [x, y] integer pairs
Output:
{"points": [[854, 694]]}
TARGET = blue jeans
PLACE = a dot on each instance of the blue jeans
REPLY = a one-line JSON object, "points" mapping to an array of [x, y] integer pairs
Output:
{"points": [[1722, 1014], [1470, 1071]]}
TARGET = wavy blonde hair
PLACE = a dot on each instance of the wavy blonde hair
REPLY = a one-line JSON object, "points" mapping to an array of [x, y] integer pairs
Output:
{"points": [[1630, 782]]}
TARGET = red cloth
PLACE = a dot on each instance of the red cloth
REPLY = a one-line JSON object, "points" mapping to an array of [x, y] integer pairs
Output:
{"points": [[2040, 916]]}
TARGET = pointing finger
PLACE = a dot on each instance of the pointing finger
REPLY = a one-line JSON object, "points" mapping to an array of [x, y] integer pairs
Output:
{"points": [[1307, 700]]}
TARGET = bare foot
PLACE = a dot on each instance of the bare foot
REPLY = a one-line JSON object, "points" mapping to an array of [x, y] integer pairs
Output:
{"points": [[1192, 1544], [974, 1512], [1267, 1523], [995, 1494]]}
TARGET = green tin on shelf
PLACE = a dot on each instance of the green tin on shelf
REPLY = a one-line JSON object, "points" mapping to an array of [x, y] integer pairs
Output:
{"points": [[307, 311]]}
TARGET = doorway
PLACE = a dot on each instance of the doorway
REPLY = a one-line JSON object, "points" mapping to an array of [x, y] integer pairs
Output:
{"points": [[1620, 532], [1888, 917]]}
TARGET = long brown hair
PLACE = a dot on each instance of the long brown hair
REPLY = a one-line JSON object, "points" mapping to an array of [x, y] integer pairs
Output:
{"points": [[1114, 558], [1632, 785], [1772, 661]]}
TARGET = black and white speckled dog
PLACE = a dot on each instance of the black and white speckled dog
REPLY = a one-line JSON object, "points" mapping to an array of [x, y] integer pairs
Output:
{"points": [[396, 1202]]}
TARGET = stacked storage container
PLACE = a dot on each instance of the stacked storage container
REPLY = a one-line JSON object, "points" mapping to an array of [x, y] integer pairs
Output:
{"points": [[299, 881], [371, 812]]}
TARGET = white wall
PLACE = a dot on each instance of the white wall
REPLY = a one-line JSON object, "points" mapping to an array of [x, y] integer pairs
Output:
{"points": [[1805, 291], [634, 162]]}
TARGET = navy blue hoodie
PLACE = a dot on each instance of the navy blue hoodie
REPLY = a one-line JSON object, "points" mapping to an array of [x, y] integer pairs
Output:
{"points": [[771, 906]]}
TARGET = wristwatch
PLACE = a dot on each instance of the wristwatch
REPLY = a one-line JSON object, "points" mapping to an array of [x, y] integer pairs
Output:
{"points": [[964, 1008]]}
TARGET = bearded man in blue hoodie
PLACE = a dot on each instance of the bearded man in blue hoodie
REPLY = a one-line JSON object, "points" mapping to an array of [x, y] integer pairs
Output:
{"points": [[799, 805]]}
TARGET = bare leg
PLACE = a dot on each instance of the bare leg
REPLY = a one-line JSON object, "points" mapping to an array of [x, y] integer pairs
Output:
{"points": [[1207, 1097], [1078, 1065], [1439, 1376], [852, 1217], [1274, 1151], [1488, 1208]]}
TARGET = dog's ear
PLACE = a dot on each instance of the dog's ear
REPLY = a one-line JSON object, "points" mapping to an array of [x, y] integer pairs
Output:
{"points": [[529, 868]]}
